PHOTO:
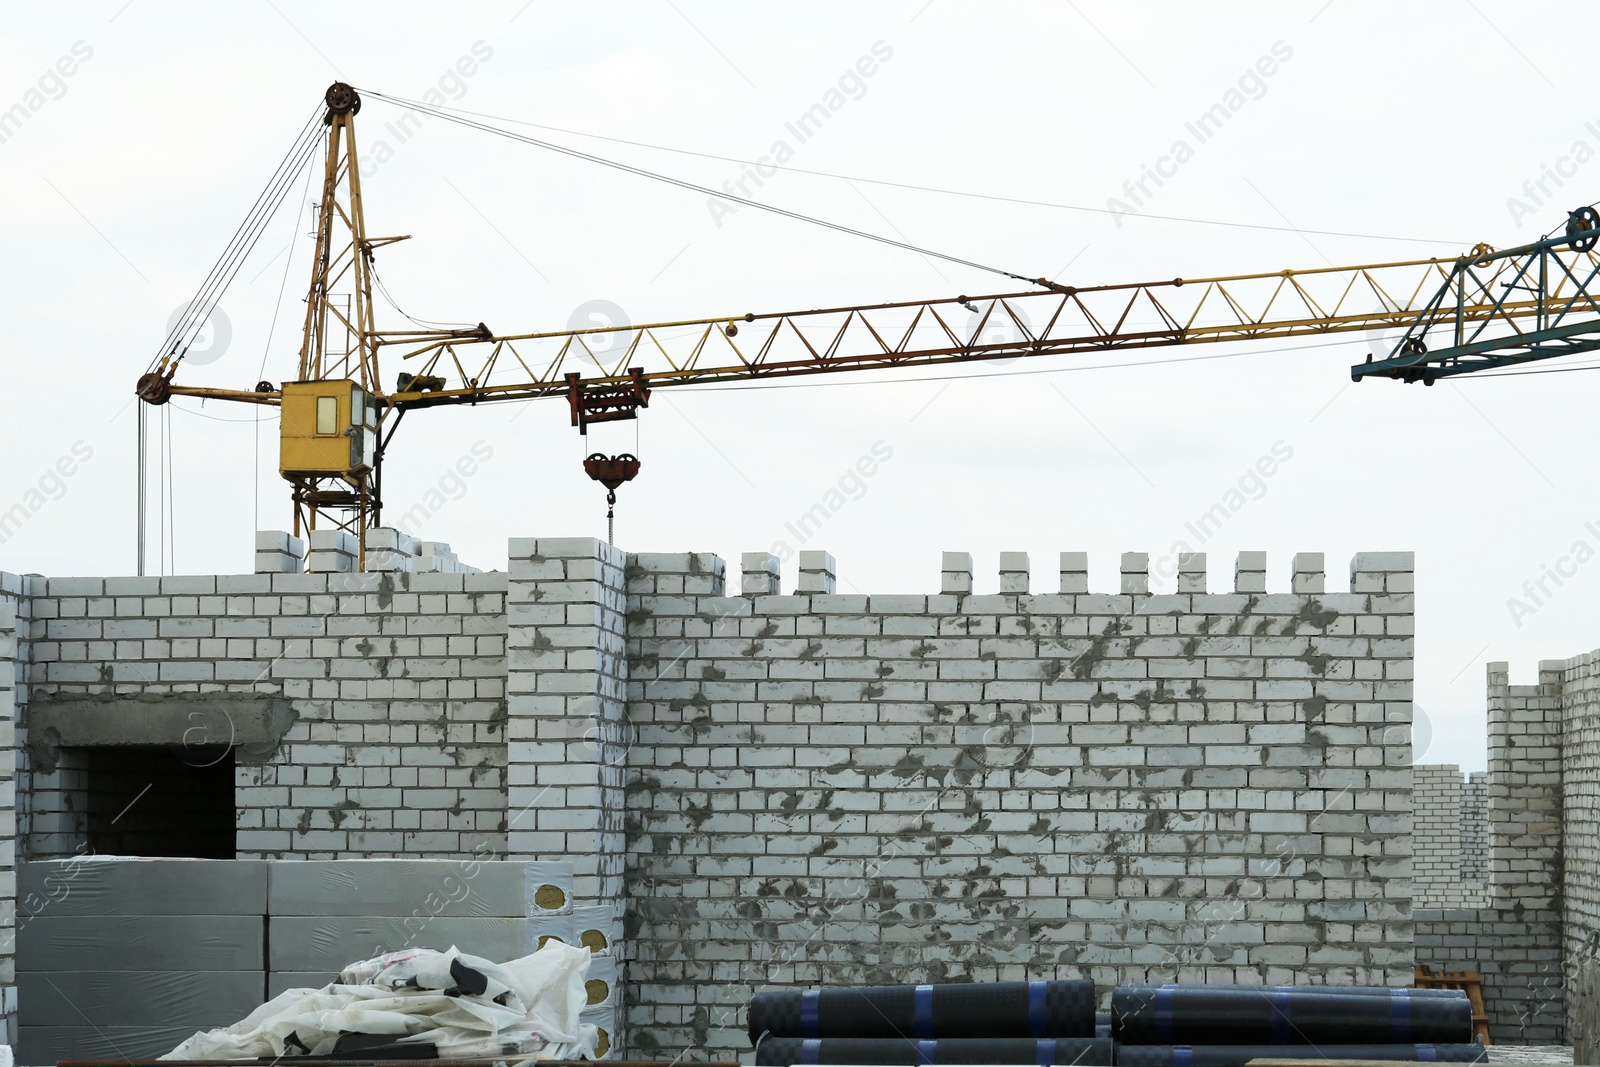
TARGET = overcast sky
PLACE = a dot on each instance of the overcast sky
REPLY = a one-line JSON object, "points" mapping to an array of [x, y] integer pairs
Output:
{"points": [[135, 135]]}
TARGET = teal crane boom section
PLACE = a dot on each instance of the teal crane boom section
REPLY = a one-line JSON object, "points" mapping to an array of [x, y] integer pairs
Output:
{"points": [[1559, 276]]}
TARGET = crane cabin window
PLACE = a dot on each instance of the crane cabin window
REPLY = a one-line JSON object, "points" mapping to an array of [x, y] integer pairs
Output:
{"points": [[327, 414]]}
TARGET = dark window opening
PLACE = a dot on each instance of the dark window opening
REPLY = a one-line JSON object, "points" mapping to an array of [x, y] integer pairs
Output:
{"points": [[161, 801]]}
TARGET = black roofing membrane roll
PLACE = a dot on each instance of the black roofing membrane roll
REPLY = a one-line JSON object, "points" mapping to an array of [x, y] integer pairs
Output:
{"points": [[1150, 1015], [931, 1012], [901, 1052], [1239, 1055], [1337, 990]]}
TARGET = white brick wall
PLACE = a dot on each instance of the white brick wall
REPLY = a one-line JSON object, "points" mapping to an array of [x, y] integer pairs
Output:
{"points": [[839, 789], [1440, 835], [397, 682]]}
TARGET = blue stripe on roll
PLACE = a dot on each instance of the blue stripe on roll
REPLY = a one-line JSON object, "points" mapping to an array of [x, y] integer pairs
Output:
{"points": [[1280, 1016], [810, 1048], [1182, 1056], [1045, 1051], [809, 1026], [1164, 999], [1400, 1019], [1038, 1018], [1427, 1054], [922, 1011], [927, 1051]]}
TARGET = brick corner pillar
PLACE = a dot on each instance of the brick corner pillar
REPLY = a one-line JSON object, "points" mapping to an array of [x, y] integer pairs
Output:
{"points": [[13, 658], [1380, 689], [566, 703]]}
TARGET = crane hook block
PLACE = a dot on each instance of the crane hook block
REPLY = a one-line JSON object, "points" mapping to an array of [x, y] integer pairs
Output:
{"points": [[611, 471], [606, 403], [342, 99]]}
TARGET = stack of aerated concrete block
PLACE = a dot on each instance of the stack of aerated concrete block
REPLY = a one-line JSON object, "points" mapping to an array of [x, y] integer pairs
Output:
{"points": [[390, 550], [326, 914], [437, 557], [599, 929], [334, 551], [123, 959], [278, 552]]}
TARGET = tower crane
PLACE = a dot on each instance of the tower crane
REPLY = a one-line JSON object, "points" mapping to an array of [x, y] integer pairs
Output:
{"points": [[1493, 308]]}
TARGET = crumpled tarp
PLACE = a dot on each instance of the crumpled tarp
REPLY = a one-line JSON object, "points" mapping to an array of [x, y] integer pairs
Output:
{"points": [[466, 1007]]}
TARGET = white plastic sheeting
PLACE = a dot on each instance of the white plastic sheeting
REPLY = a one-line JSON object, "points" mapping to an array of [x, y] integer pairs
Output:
{"points": [[465, 1006]]}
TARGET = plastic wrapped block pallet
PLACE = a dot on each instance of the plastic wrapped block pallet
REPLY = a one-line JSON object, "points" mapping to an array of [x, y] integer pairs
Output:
{"points": [[196, 999], [597, 926], [89, 885], [898, 1051], [988, 1009], [466, 888], [1239, 1055], [1146, 1015], [47, 1044], [51, 942], [306, 943]]}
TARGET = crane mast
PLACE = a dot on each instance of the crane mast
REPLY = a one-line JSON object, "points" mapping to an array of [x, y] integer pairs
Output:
{"points": [[330, 432], [340, 413]]}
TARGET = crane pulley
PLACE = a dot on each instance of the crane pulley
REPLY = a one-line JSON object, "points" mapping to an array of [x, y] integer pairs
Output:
{"points": [[338, 414]]}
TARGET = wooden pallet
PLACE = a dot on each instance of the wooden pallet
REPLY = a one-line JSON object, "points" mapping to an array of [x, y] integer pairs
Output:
{"points": [[1468, 982]]}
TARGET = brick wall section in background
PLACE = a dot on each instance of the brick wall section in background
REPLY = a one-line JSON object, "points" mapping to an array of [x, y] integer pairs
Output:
{"points": [[1580, 873], [397, 681], [1435, 831], [845, 789], [1436, 836], [1514, 954], [1525, 803], [1514, 942]]}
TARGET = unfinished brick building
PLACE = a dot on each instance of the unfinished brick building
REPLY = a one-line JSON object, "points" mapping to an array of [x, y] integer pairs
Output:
{"points": [[775, 789]]}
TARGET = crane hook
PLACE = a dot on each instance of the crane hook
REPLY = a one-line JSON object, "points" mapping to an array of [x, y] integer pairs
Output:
{"points": [[611, 472]]}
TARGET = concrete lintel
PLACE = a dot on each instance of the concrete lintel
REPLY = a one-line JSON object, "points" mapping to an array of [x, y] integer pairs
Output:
{"points": [[253, 723]]}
